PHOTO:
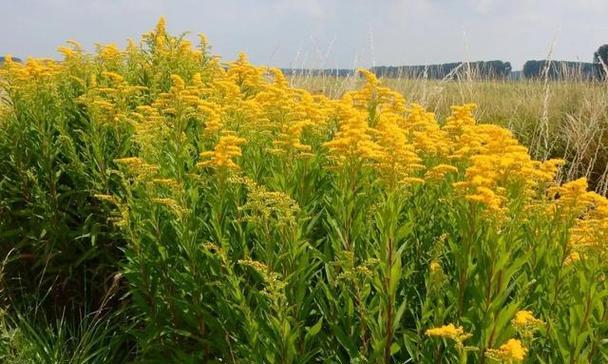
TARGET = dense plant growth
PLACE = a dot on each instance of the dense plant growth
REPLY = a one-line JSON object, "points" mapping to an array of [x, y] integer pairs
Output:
{"points": [[249, 221]]}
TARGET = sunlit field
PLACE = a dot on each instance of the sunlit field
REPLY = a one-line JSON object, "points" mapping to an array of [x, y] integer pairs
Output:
{"points": [[560, 119], [161, 205]]}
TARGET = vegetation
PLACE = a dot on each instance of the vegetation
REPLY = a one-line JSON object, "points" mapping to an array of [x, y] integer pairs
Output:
{"points": [[12, 59], [456, 70], [565, 119], [200, 212], [561, 70], [600, 57]]}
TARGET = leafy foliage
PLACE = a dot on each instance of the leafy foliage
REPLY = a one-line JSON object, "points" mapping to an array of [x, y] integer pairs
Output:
{"points": [[260, 223]]}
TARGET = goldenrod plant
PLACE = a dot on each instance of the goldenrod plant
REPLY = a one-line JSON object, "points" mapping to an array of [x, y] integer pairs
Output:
{"points": [[245, 220]]}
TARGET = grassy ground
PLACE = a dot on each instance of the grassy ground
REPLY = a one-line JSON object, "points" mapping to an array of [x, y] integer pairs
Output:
{"points": [[565, 119]]}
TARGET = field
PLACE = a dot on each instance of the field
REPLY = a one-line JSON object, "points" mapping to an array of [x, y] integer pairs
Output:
{"points": [[160, 205], [560, 119]]}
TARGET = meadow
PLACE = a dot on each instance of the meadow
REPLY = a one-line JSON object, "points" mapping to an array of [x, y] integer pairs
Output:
{"points": [[161, 205], [564, 118]]}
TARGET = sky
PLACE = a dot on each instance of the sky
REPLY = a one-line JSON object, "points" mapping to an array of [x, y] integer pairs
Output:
{"points": [[323, 33]]}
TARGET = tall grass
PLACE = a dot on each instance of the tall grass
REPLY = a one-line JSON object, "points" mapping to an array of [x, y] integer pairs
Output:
{"points": [[27, 339]]}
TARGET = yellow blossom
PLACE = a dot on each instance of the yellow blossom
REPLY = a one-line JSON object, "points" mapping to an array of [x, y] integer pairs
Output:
{"points": [[221, 157], [353, 142], [138, 167], [510, 352], [439, 171], [449, 331], [435, 266], [525, 323]]}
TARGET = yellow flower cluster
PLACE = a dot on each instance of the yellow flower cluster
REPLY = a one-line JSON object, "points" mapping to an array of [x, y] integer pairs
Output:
{"points": [[265, 207], [352, 271], [457, 125], [221, 157], [33, 74], [164, 47], [449, 331], [589, 235], [439, 171], [525, 319], [170, 203], [572, 198], [353, 142], [424, 132], [108, 98], [287, 113], [498, 166], [150, 127], [525, 323], [110, 56], [138, 167], [374, 99], [72, 50], [513, 351], [275, 286], [387, 145], [169, 183], [180, 98], [248, 77], [397, 159], [435, 266]]}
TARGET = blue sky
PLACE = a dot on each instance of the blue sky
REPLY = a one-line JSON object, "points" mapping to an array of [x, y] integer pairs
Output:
{"points": [[323, 33]]}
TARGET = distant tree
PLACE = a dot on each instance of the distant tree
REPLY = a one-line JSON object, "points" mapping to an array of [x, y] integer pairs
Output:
{"points": [[532, 69], [508, 69], [15, 59], [600, 57], [454, 70], [560, 70]]}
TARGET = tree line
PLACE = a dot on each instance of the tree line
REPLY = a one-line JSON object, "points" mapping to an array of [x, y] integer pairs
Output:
{"points": [[496, 69], [561, 70], [455, 70], [568, 70], [596, 70]]}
